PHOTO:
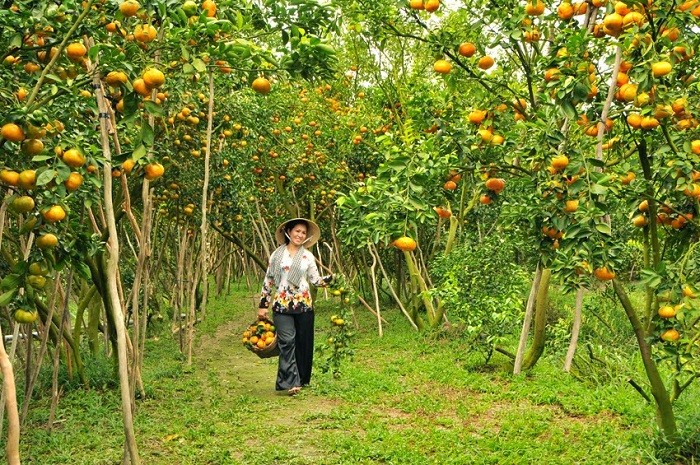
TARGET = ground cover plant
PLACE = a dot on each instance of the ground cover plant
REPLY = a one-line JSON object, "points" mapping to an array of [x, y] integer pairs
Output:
{"points": [[403, 398]]}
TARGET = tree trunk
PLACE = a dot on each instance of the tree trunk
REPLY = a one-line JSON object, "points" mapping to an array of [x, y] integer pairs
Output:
{"points": [[529, 310], [537, 347], [576, 328], [10, 392], [112, 275], [664, 408]]}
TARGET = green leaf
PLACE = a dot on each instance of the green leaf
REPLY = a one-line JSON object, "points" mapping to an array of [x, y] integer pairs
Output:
{"points": [[603, 228], [188, 68], [7, 297], [598, 189], [199, 65], [147, 136], [140, 152], [153, 108], [11, 281], [45, 177]]}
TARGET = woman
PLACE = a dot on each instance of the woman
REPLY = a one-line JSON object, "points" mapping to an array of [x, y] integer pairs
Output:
{"points": [[290, 271]]}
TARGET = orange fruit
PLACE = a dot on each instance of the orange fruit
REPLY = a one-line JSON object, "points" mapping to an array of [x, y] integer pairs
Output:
{"points": [[634, 120], [141, 88], [667, 311], [416, 4], [210, 7], [47, 240], [643, 206], [12, 132], [442, 212], [565, 10], [560, 162], [442, 66], [73, 158], [477, 116], [116, 78], [495, 184], [604, 274], [76, 51], [261, 85], [23, 204], [450, 185], [649, 122], [640, 221], [145, 33], [129, 8], [670, 335], [9, 177], [154, 171], [54, 214], [534, 7], [32, 146], [153, 78], [27, 179], [405, 243], [432, 5], [74, 181], [485, 199], [486, 62], [467, 49], [128, 165], [661, 68], [571, 206]]}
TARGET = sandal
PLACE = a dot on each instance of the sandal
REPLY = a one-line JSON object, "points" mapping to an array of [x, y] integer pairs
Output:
{"points": [[294, 390]]}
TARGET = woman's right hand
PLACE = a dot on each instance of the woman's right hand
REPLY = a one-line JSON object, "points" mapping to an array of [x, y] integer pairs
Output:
{"points": [[262, 312]]}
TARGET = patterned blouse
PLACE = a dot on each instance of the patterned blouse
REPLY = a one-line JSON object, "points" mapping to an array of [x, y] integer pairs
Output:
{"points": [[289, 298]]}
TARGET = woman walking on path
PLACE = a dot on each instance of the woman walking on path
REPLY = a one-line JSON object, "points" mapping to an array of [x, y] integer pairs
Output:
{"points": [[290, 271]]}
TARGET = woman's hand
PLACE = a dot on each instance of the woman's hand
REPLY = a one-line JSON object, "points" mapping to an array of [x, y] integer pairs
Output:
{"points": [[262, 313]]}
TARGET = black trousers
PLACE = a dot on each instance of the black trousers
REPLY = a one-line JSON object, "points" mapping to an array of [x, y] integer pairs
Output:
{"points": [[295, 338]]}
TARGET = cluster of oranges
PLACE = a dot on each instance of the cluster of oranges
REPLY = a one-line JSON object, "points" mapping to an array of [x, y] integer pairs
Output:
{"points": [[259, 335]]}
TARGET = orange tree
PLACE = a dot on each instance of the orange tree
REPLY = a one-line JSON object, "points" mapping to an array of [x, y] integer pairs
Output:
{"points": [[588, 111]]}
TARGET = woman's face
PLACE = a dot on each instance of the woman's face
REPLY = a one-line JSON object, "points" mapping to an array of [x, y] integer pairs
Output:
{"points": [[297, 235]]}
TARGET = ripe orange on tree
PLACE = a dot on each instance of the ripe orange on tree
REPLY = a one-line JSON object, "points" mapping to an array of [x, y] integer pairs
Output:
{"points": [[116, 78], [153, 78], [73, 158], [27, 179], [432, 5], [154, 171], [450, 185], [534, 7], [32, 147], [129, 7], [495, 184], [670, 335], [74, 181], [667, 311], [54, 214], [145, 33], [640, 221], [661, 68], [9, 177], [571, 206], [442, 66], [477, 116], [467, 49], [560, 162], [76, 51], [416, 4], [604, 274], [261, 85], [486, 62], [47, 240], [12, 132], [210, 7], [405, 244]]}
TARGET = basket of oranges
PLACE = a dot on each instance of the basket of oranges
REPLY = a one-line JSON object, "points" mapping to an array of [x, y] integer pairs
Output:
{"points": [[261, 339]]}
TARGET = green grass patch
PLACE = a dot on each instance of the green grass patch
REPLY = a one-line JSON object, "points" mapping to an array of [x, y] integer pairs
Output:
{"points": [[405, 398]]}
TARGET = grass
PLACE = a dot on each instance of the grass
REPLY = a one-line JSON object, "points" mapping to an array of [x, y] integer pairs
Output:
{"points": [[406, 398]]}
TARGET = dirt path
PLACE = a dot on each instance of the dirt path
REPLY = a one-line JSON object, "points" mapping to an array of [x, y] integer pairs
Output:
{"points": [[232, 377]]}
